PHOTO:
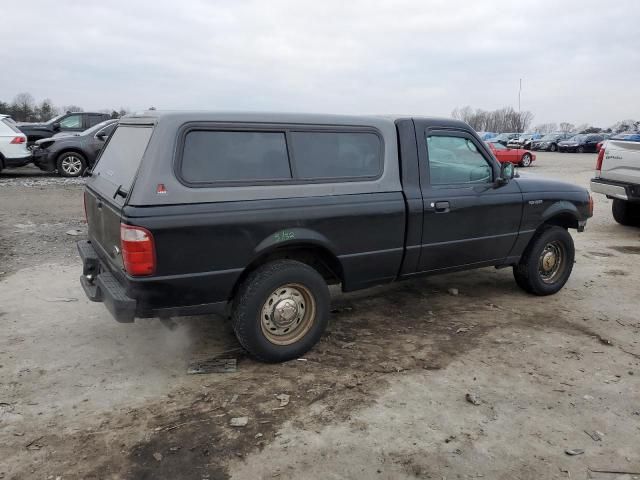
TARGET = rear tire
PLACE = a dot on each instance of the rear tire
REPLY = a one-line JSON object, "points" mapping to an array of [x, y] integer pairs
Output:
{"points": [[580, 149], [626, 213], [281, 311], [547, 262], [71, 164], [526, 160]]}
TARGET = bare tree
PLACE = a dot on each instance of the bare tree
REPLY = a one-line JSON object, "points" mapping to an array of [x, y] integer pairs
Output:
{"points": [[546, 128], [566, 127], [72, 108], [23, 108], [502, 120]]}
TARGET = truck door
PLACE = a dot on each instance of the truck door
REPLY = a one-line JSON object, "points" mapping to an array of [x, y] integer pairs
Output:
{"points": [[469, 220]]}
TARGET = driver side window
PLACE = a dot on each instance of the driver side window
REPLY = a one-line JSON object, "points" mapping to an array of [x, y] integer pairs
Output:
{"points": [[456, 160]]}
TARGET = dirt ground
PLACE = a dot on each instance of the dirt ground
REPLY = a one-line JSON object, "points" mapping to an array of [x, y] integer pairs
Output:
{"points": [[382, 396]]}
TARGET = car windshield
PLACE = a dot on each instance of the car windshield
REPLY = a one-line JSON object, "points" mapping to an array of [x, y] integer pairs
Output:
{"points": [[55, 119], [549, 136], [576, 138], [95, 128]]}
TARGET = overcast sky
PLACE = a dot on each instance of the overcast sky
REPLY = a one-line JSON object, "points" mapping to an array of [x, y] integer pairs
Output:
{"points": [[579, 60]]}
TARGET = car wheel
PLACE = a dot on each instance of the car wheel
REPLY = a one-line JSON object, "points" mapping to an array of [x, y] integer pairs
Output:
{"points": [[553, 147], [281, 311], [71, 164], [580, 149], [626, 213], [526, 160], [547, 262]]}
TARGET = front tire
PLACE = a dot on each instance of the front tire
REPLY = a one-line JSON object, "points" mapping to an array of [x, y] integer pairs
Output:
{"points": [[580, 149], [626, 213], [71, 164], [526, 160], [281, 311], [547, 262]]}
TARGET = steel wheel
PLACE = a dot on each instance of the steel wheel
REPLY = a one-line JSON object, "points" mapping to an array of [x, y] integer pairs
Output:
{"points": [[71, 165], [551, 262], [288, 314]]}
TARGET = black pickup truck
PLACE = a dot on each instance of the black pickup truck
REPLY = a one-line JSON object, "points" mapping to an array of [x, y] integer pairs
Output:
{"points": [[191, 212], [66, 123]]}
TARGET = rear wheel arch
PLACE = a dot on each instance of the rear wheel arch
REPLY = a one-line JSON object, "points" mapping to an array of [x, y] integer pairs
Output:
{"points": [[317, 256]]}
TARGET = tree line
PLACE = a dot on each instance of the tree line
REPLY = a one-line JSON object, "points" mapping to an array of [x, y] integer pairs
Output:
{"points": [[506, 119], [24, 108]]}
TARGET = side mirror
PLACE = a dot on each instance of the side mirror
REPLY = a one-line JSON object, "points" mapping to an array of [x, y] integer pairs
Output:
{"points": [[56, 126], [507, 172]]}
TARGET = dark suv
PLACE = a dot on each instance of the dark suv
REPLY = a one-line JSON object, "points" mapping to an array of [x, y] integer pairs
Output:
{"points": [[190, 213], [71, 155], [68, 122]]}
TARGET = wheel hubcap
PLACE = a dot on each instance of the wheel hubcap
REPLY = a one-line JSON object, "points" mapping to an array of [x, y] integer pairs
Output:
{"points": [[288, 314], [71, 165], [551, 262]]}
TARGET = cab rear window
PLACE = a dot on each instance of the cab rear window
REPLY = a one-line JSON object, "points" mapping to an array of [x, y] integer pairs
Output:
{"points": [[121, 157]]}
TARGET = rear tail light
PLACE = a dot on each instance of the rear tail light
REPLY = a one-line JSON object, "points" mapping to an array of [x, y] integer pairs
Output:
{"points": [[18, 140], [600, 160], [138, 250]]}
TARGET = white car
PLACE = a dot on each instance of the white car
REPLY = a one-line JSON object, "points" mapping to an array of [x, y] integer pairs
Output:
{"points": [[13, 144]]}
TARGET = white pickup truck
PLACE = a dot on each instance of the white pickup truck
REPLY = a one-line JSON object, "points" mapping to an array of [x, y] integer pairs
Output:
{"points": [[618, 177]]}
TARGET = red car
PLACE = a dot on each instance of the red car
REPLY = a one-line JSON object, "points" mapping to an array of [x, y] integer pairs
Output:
{"points": [[517, 156]]}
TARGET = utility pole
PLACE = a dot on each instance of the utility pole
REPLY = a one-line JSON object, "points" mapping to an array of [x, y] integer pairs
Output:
{"points": [[519, 110]]}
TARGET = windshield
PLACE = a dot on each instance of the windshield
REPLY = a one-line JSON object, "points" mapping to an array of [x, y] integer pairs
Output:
{"points": [[496, 145], [55, 119], [576, 138], [549, 136]]}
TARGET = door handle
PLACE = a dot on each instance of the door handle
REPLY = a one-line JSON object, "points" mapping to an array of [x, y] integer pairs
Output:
{"points": [[441, 207]]}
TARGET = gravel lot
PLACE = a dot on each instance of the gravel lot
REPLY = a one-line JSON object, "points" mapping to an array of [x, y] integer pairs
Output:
{"points": [[383, 395]]}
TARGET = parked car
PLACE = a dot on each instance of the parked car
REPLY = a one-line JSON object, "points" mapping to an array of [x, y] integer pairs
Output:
{"points": [[68, 122], [504, 138], [517, 156], [523, 141], [191, 212], [550, 141], [71, 155], [618, 177], [581, 143], [13, 145]]}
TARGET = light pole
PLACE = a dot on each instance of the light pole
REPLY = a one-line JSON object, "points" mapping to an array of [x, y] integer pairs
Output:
{"points": [[519, 110]]}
